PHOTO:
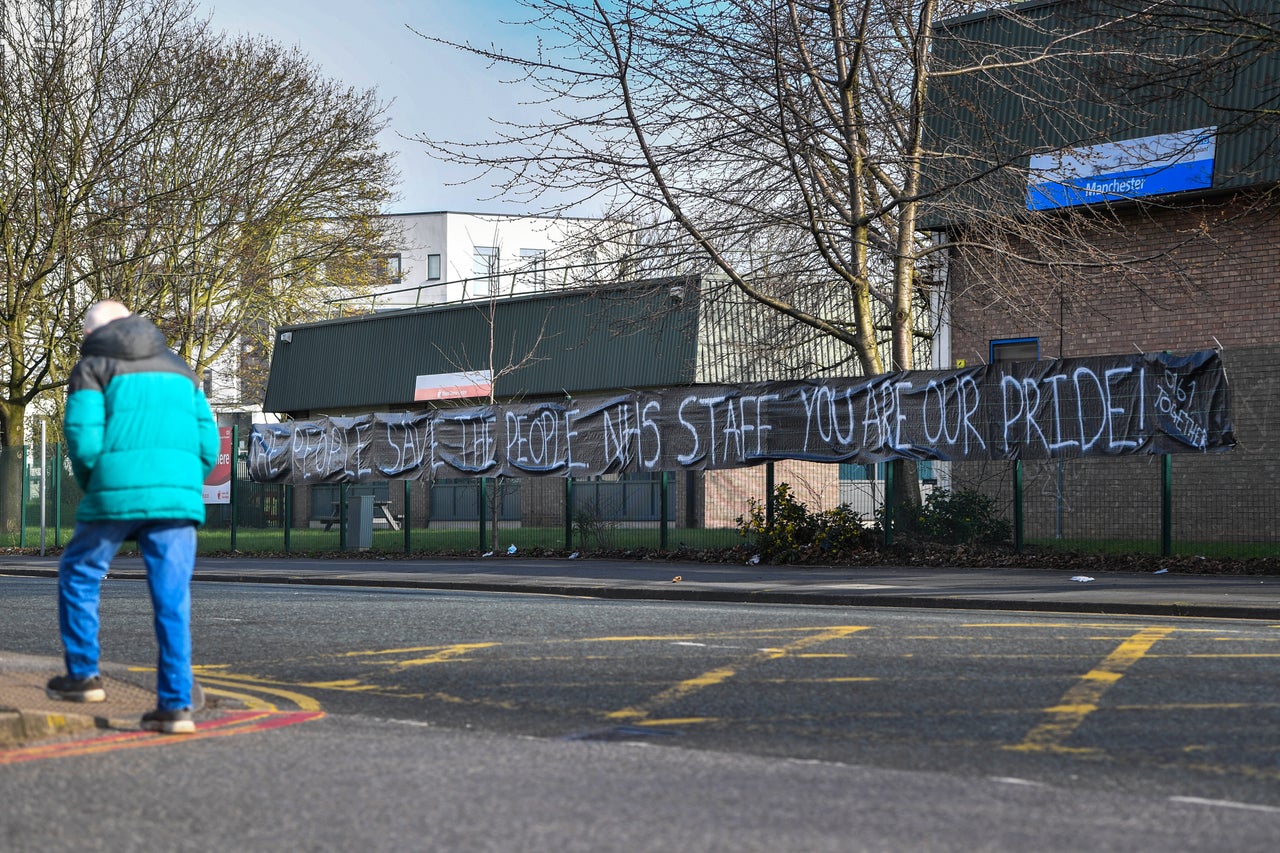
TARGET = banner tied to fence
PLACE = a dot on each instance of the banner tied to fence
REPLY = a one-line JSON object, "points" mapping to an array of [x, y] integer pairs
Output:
{"points": [[1065, 408]]}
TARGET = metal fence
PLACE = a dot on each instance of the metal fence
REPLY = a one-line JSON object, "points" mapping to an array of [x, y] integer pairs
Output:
{"points": [[1218, 505], [1221, 506], [39, 496], [1211, 505]]}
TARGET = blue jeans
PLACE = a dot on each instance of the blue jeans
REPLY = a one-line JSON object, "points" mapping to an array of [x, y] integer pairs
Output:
{"points": [[169, 552]]}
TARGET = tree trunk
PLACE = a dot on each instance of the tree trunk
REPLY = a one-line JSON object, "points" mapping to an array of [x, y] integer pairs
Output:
{"points": [[11, 467]]}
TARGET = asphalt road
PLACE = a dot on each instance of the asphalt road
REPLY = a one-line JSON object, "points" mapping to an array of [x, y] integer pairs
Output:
{"points": [[477, 721]]}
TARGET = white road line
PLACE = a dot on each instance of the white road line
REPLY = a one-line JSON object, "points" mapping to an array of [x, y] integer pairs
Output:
{"points": [[1225, 804]]}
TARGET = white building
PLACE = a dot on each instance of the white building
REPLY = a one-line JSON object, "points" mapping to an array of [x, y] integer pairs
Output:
{"points": [[447, 256]]}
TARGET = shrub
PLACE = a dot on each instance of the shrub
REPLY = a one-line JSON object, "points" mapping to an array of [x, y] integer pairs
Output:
{"points": [[797, 534], [592, 526], [962, 517]]}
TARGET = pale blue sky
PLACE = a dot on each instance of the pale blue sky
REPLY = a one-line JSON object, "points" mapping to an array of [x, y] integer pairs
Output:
{"points": [[367, 45]]}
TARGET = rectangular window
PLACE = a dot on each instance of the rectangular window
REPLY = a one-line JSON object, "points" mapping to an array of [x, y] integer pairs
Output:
{"points": [[485, 269], [433, 267], [394, 272], [850, 472], [1015, 349], [533, 264], [855, 472]]}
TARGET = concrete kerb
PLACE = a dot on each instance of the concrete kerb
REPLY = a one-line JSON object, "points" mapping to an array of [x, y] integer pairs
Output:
{"points": [[19, 727], [691, 592], [27, 714], [742, 593]]}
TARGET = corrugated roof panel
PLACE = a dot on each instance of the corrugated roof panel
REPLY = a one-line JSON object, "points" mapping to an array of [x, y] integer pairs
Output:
{"points": [[636, 336]]}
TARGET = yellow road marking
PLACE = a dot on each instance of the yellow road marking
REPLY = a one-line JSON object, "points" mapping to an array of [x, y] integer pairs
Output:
{"points": [[504, 704], [253, 703], [226, 679], [1082, 699], [405, 651], [350, 685], [678, 721], [639, 713], [445, 654], [1110, 626], [1206, 656], [714, 635]]}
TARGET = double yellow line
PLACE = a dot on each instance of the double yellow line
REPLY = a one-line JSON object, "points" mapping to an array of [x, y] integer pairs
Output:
{"points": [[642, 714], [1081, 700]]}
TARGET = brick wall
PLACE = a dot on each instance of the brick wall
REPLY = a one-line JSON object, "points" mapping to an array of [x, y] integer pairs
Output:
{"points": [[729, 492], [1198, 273], [1212, 277]]}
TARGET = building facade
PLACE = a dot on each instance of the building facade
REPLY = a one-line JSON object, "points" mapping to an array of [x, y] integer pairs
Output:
{"points": [[1117, 208], [449, 256]]}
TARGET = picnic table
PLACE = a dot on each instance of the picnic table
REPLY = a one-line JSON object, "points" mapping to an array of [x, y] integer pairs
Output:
{"points": [[380, 508]]}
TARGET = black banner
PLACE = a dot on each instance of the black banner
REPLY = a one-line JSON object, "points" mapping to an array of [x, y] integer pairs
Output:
{"points": [[1102, 406]]}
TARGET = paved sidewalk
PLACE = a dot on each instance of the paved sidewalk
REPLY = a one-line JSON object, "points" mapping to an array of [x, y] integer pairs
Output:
{"points": [[26, 714]]}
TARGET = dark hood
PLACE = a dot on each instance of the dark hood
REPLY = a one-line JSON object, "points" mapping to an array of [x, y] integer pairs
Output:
{"points": [[133, 337]]}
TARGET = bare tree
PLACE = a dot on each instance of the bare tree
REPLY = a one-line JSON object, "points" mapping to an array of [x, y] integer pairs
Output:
{"points": [[780, 144], [804, 151], [218, 185], [784, 141], [282, 187], [67, 79], [503, 358]]}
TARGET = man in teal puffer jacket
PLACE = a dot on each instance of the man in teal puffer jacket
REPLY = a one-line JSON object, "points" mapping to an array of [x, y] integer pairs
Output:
{"points": [[141, 439]]}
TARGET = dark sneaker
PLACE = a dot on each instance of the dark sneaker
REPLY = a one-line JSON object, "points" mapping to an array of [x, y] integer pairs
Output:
{"points": [[175, 722], [70, 689]]}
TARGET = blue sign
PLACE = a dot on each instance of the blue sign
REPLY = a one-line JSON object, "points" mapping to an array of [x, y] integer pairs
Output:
{"points": [[1120, 171]]}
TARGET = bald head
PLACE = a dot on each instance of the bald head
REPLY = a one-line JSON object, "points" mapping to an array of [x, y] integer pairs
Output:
{"points": [[102, 313]]}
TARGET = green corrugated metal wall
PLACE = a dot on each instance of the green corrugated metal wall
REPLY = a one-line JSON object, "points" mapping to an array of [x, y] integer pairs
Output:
{"points": [[1075, 93], [635, 336]]}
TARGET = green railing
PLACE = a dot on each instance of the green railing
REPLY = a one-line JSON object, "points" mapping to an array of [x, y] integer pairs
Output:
{"points": [[1222, 505]]}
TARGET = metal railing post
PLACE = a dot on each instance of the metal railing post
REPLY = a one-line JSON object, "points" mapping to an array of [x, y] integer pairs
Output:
{"points": [[234, 491], [342, 516], [888, 503], [23, 488], [1017, 506], [57, 495], [768, 494], [408, 505], [286, 511], [44, 482], [568, 513], [664, 531], [484, 511], [1166, 505]]}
